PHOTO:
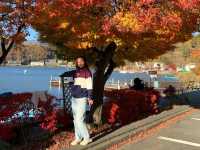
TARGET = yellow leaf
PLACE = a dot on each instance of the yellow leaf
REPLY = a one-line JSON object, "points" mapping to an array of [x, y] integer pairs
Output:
{"points": [[64, 25]]}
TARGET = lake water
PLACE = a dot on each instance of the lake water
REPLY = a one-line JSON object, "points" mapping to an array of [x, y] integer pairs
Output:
{"points": [[29, 79]]}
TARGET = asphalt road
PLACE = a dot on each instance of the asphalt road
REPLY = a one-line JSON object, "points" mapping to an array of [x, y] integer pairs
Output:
{"points": [[183, 135]]}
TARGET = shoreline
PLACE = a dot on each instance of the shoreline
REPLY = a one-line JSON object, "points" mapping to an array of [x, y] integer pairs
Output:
{"points": [[28, 66]]}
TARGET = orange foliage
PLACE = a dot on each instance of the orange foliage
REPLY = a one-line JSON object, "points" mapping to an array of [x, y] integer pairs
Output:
{"points": [[14, 16], [195, 53], [145, 24]]}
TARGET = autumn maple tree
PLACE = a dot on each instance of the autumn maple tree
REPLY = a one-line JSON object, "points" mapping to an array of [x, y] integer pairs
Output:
{"points": [[14, 20], [111, 31]]}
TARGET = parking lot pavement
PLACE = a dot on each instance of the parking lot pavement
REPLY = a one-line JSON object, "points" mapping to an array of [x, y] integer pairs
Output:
{"points": [[183, 135]]}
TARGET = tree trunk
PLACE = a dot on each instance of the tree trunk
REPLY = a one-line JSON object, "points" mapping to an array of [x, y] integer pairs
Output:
{"points": [[98, 89], [104, 67], [3, 57], [5, 50]]}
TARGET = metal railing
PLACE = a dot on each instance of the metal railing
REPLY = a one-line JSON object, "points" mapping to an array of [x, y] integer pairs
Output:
{"points": [[189, 86], [66, 88]]}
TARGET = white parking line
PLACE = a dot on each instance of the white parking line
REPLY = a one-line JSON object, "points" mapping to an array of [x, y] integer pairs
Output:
{"points": [[179, 141], [195, 119]]}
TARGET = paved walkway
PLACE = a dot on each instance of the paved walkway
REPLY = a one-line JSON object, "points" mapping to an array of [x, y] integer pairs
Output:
{"points": [[184, 135]]}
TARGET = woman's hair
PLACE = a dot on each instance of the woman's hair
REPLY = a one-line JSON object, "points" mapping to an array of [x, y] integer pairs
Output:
{"points": [[84, 59]]}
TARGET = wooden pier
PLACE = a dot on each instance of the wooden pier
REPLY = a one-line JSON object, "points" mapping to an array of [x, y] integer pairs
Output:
{"points": [[55, 82]]}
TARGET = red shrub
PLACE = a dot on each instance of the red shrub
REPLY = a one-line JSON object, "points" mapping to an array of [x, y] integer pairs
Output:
{"points": [[6, 133], [111, 111], [10, 105], [129, 105], [49, 122]]}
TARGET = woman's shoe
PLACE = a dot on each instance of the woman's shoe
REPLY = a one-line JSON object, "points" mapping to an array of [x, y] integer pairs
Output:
{"points": [[75, 142], [85, 142]]}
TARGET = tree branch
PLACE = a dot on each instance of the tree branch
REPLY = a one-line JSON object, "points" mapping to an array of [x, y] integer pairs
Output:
{"points": [[3, 47], [109, 51], [109, 70], [95, 49], [10, 45], [5, 50], [20, 28]]}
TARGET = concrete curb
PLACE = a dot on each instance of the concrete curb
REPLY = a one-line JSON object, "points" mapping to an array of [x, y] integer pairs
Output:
{"points": [[136, 127]]}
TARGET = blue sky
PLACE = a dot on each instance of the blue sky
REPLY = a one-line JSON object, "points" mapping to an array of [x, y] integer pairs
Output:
{"points": [[195, 34], [33, 35]]}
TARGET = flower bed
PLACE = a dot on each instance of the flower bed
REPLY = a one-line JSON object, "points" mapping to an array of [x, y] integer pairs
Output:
{"points": [[17, 110], [125, 106]]}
